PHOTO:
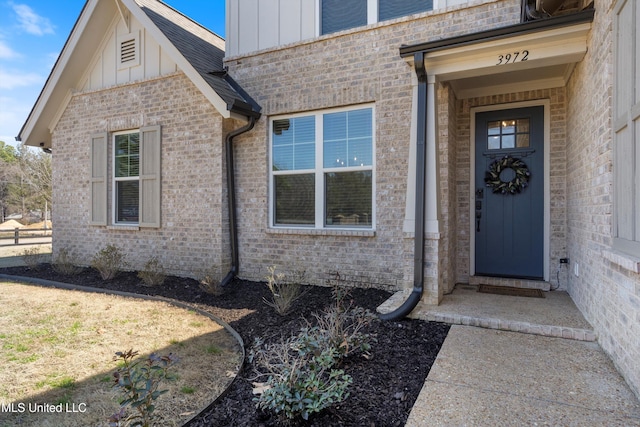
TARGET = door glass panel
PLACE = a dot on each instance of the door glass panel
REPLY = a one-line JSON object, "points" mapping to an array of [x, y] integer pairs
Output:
{"points": [[494, 143], [523, 125], [508, 141], [506, 134], [522, 140], [508, 126], [494, 128]]}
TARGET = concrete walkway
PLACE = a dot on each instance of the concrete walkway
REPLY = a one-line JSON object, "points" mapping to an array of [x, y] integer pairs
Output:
{"points": [[516, 361]]}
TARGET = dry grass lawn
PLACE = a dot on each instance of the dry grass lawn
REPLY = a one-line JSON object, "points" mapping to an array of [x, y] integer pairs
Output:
{"points": [[57, 346]]}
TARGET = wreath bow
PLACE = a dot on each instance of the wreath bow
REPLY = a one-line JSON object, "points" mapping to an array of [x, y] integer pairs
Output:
{"points": [[516, 185]]}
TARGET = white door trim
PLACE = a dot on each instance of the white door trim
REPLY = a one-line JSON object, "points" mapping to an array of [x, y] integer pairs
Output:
{"points": [[547, 187]]}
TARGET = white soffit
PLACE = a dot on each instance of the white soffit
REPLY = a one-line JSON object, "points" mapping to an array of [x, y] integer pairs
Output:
{"points": [[542, 59]]}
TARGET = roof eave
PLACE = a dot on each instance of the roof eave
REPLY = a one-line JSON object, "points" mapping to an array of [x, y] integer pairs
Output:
{"points": [[530, 27]]}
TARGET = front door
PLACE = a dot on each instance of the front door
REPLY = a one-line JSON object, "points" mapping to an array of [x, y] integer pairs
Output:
{"points": [[509, 193]]}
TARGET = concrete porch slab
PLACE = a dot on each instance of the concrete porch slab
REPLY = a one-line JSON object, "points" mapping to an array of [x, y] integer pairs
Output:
{"points": [[555, 315], [485, 377]]}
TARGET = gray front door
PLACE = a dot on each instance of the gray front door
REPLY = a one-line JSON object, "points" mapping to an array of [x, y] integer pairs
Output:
{"points": [[509, 193]]}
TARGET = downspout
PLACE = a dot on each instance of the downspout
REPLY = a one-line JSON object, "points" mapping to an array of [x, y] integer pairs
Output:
{"points": [[421, 159], [231, 198]]}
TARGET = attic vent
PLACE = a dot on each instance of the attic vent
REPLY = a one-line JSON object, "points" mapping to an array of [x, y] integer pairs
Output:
{"points": [[129, 50]]}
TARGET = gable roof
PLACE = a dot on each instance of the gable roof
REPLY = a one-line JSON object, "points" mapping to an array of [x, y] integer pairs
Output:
{"points": [[198, 52], [202, 49]]}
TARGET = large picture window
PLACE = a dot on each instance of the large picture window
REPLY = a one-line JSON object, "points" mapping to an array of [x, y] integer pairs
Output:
{"points": [[338, 15], [322, 169]]}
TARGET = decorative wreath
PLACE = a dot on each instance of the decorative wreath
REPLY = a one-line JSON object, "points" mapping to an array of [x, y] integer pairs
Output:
{"points": [[516, 185]]}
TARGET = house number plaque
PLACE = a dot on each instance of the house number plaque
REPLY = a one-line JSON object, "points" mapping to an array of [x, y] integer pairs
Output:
{"points": [[510, 58]]}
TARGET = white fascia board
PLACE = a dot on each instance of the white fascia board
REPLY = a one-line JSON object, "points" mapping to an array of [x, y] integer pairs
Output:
{"points": [[552, 47], [218, 103]]}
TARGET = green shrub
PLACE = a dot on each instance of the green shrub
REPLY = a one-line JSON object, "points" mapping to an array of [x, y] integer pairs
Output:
{"points": [[139, 381], [109, 261], [302, 378], [283, 293], [153, 273], [301, 372], [66, 264]]}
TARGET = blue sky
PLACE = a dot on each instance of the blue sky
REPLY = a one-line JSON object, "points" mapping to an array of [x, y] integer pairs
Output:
{"points": [[32, 34]]}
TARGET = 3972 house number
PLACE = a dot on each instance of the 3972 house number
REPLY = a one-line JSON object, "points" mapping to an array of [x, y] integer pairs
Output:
{"points": [[510, 58]]}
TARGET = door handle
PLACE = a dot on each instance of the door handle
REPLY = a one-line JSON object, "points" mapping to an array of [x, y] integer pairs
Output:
{"points": [[478, 212]]}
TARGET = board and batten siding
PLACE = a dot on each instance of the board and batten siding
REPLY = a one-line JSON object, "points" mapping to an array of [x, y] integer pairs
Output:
{"points": [[106, 69], [260, 24], [254, 25]]}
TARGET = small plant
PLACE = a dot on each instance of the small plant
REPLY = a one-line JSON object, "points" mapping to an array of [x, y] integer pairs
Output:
{"points": [[153, 273], [109, 261], [210, 283], [66, 264], [343, 325], [188, 390], [283, 294], [214, 349], [302, 375], [302, 378], [32, 258], [139, 381]]}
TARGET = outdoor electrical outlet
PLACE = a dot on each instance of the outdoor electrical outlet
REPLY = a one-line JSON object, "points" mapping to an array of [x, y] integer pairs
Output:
{"points": [[564, 260]]}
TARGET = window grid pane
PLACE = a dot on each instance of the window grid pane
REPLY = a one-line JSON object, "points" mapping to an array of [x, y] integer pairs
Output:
{"points": [[348, 138], [127, 201], [127, 155], [507, 134], [348, 199], [294, 144], [294, 199]]}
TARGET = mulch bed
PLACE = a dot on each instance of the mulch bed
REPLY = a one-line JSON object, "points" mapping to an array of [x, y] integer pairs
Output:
{"points": [[384, 387]]}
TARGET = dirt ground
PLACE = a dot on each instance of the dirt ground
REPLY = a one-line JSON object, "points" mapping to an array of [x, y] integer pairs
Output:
{"points": [[58, 346]]}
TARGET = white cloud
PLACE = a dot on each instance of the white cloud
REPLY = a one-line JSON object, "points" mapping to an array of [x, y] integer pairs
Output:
{"points": [[6, 52], [31, 22], [12, 80]]}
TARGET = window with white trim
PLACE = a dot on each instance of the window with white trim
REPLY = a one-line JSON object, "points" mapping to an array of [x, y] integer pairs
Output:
{"points": [[126, 172], [135, 176], [338, 15], [322, 169], [626, 127]]}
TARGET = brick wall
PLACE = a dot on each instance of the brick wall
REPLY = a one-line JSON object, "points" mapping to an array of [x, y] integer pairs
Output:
{"points": [[342, 69], [606, 293], [194, 232]]}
